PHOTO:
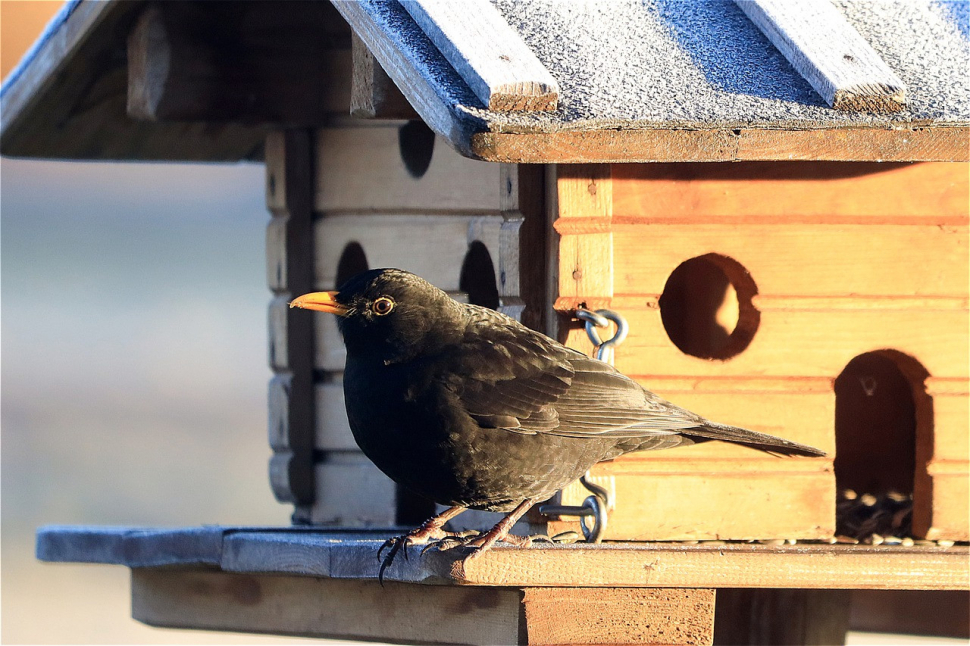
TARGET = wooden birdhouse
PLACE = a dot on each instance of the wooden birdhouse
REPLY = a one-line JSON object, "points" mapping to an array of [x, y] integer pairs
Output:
{"points": [[781, 217]]}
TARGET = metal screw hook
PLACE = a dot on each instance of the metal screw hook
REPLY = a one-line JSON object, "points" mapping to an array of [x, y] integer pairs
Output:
{"points": [[600, 502]]}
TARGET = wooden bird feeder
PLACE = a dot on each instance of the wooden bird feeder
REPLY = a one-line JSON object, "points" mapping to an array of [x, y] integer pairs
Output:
{"points": [[784, 227]]}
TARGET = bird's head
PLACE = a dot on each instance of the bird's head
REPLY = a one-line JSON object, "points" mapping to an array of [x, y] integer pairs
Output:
{"points": [[388, 314]]}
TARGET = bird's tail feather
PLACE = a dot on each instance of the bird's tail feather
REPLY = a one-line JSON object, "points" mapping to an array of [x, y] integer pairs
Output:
{"points": [[763, 441]]}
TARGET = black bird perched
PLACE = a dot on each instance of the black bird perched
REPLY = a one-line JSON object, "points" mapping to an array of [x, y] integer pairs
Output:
{"points": [[472, 409]]}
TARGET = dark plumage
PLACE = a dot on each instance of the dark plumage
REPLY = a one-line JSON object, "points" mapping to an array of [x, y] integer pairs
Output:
{"points": [[474, 410]]}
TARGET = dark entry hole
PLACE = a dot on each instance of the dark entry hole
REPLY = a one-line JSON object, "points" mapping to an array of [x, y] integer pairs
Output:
{"points": [[875, 427], [416, 143], [706, 307], [352, 261], [478, 276]]}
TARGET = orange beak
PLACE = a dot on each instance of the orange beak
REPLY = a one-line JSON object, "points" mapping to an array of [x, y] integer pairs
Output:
{"points": [[320, 301]]}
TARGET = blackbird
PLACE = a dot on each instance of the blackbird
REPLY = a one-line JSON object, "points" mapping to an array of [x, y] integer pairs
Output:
{"points": [[473, 410]]}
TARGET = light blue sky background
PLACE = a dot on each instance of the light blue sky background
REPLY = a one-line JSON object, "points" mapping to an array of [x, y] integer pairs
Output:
{"points": [[133, 371]]}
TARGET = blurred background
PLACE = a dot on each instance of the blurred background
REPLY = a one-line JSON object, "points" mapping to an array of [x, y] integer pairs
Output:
{"points": [[133, 367]]}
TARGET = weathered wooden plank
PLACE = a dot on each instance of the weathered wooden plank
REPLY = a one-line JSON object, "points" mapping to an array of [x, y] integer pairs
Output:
{"points": [[792, 193], [279, 72], [831, 55], [523, 259], [51, 59], [917, 143], [289, 194], [329, 608], [726, 499], [406, 65], [852, 261], [352, 161], [719, 566], [815, 343], [492, 59], [343, 554], [432, 247], [373, 94], [617, 616]]}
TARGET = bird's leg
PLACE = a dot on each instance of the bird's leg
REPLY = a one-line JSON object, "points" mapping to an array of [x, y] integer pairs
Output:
{"points": [[500, 532], [428, 530]]}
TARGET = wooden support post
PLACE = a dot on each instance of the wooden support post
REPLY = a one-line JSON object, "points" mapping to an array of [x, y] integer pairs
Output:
{"points": [[523, 263], [430, 614], [373, 94], [585, 200], [617, 616], [289, 242]]}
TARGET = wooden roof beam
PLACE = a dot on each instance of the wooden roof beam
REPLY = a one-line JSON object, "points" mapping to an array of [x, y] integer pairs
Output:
{"points": [[257, 62], [488, 54], [373, 94], [825, 49]]}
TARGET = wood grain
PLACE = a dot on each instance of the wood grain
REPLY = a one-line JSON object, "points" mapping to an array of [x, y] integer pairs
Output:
{"points": [[876, 265], [278, 71], [432, 246], [289, 182], [617, 616], [793, 193], [815, 343], [355, 160], [709, 144], [404, 67], [737, 565], [715, 500], [373, 94], [829, 53], [488, 54], [329, 608], [350, 554], [585, 258], [523, 264]]}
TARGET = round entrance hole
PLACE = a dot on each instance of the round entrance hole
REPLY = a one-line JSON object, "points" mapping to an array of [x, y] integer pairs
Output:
{"points": [[706, 307]]}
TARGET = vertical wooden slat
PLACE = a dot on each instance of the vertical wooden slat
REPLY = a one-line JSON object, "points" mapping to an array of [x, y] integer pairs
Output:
{"points": [[523, 263], [585, 195], [289, 197], [373, 94]]}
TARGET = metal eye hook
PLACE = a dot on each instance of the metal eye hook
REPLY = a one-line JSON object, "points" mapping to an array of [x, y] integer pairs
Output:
{"points": [[598, 505], [605, 350]]}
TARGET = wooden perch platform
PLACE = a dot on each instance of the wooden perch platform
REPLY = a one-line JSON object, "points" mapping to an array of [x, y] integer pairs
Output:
{"points": [[352, 554], [322, 583]]}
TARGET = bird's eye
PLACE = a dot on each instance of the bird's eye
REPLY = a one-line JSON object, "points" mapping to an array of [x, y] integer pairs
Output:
{"points": [[382, 306]]}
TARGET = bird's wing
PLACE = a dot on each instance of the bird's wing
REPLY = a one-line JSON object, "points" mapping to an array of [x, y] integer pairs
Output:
{"points": [[603, 402], [508, 376]]}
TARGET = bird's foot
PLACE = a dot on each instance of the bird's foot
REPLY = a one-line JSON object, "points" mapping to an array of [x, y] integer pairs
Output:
{"points": [[430, 530]]}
